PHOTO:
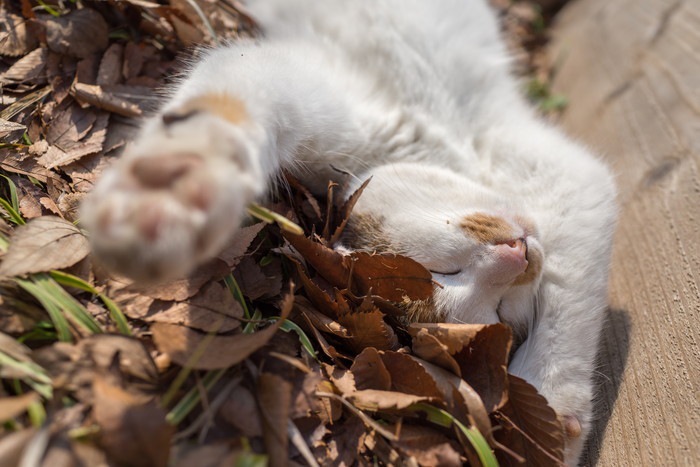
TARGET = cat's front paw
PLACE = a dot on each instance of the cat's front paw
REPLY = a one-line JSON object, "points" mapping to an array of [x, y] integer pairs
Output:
{"points": [[172, 202], [574, 414]]}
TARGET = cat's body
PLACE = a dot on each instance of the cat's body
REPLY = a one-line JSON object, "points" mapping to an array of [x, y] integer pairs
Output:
{"points": [[513, 219]]}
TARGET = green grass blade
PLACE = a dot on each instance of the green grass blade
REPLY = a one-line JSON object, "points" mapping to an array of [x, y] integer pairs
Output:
{"points": [[13, 215], [192, 398], [250, 327], [37, 414], [473, 435], [288, 326], [35, 376], [4, 243], [73, 308], [69, 280], [13, 192], [235, 290], [59, 320], [269, 217]]}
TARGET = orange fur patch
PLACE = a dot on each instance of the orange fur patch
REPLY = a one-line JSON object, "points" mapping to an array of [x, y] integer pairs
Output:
{"points": [[534, 267], [486, 228], [227, 107]]}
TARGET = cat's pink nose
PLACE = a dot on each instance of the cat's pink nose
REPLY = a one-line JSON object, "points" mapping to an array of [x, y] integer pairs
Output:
{"points": [[514, 252]]}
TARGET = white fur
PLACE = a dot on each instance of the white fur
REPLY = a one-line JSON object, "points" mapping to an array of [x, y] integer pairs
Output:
{"points": [[418, 94]]}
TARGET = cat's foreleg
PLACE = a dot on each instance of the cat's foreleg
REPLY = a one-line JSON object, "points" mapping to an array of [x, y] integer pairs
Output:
{"points": [[181, 189]]}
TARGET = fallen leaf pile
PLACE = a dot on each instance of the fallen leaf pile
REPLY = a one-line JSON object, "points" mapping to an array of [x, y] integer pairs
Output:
{"points": [[279, 351]]}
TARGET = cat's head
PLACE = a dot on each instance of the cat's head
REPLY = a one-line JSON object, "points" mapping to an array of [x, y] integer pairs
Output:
{"points": [[481, 248]]}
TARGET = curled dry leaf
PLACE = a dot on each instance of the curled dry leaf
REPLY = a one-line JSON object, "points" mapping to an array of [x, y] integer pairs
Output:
{"points": [[133, 430], [478, 353], [327, 262], [79, 34], [429, 348], [463, 402], [375, 400], [368, 329], [43, 244], [99, 97], [369, 371], [212, 352], [531, 427]]}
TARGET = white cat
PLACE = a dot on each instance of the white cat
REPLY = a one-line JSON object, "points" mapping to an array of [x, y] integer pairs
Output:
{"points": [[514, 219]]}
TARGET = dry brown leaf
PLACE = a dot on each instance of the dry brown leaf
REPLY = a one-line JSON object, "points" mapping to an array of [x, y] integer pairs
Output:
{"points": [[530, 413], [369, 371], [85, 171], [187, 33], [429, 348], [43, 244], [217, 352], [213, 309], [80, 33], [133, 60], [234, 251], [23, 163], [320, 299], [346, 210], [274, 399], [375, 400], [318, 320], [408, 375], [15, 37], [135, 361], [111, 65], [453, 335], [133, 430], [241, 411], [480, 352], [11, 131], [28, 69], [345, 444], [10, 407], [343, 380], [428, 446], [327, 262], [392, 277], [100, 97], [253, 281], [75, 133], [368, 329], [484, 363], [182, 289], [463, 402], [29, 196]]}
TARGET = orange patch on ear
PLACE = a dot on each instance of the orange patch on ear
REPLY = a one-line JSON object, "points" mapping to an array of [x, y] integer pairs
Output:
{"points": [[486, 228], [227, 107]]}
